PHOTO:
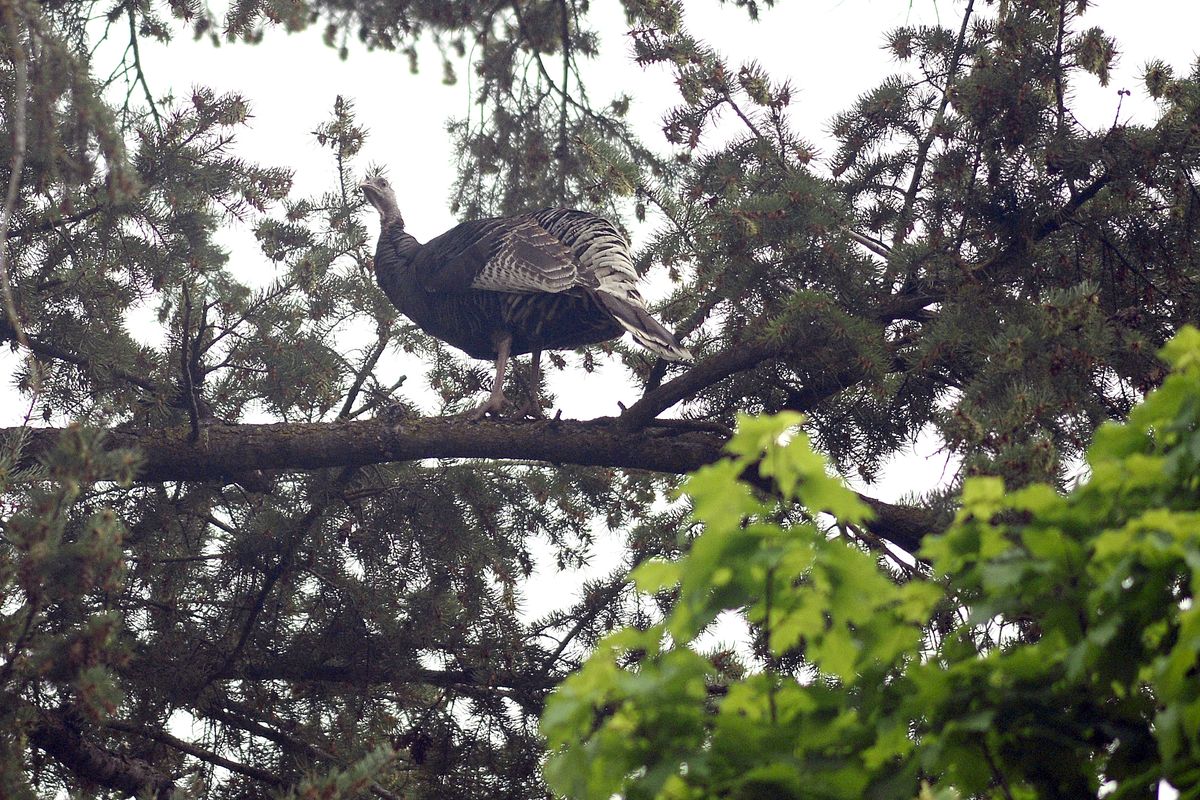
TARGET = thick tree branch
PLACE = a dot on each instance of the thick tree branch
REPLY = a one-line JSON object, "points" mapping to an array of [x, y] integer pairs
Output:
{"points": [[92, 763], [229, 451]]}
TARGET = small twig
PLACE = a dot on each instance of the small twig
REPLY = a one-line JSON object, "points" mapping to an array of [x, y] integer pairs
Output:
{"points": [[141, 75], [185, 365], [363, 372]]}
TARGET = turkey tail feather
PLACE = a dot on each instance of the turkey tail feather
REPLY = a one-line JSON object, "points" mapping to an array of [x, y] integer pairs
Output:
{"points": [[646, 330]]}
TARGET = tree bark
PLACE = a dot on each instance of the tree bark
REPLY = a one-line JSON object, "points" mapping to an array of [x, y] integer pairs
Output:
{"points": [[66, 745], [240, 452]]}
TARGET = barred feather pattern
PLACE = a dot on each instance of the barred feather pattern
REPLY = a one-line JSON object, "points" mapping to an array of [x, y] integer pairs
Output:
{"points": [[603, 254]]}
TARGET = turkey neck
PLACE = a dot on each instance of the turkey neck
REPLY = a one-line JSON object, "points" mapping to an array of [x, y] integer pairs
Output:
{"points": [[394, 257]]}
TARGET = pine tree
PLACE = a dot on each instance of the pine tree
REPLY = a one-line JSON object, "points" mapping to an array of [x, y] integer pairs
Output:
{"points": [[329, 606]]}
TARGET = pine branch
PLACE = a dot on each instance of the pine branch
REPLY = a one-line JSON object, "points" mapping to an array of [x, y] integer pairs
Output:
{"points": [[230, 451], [904, 220], [48, 350], [1047, 225], [192, 750], [91, 763], [290, 743], [55, 222]]}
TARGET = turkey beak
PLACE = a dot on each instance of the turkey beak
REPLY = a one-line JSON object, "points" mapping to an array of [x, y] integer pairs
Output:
{"points": [[370, 192]]}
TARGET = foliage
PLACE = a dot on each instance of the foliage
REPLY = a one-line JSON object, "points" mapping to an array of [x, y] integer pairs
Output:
{"points": [[1050, 644], [62, 572], [968, 260]]}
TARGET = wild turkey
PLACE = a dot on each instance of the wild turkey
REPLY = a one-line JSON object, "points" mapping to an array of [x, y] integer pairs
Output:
{"points": [[497, 288]]}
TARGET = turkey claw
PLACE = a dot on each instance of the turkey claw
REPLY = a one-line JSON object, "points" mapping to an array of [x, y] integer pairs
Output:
{"points": [[530, 410], [493, 405]]}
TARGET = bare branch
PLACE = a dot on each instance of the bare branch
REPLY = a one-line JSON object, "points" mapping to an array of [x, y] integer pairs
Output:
{"points": [[137, 66]]}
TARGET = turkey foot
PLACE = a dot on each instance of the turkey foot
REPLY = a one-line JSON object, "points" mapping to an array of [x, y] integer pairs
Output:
{"points": [[493, 405], [531, 409], [496, 401]]}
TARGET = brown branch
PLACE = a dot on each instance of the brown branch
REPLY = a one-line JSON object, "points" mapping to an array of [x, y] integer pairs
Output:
{"points": [[192, 750], [94, 764], [290, 743], [910, 197], [229, 451], [704, 374]]}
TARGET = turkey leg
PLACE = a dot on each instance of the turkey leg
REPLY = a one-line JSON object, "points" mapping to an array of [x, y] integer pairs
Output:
{"points": [[496, 401], [533, 405]]}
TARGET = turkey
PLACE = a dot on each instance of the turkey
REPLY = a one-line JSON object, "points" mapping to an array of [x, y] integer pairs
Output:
{"points": [[497, 288]]}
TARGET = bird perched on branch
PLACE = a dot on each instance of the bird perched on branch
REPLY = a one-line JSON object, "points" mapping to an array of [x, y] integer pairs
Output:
{"points": [[497, 288]]}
